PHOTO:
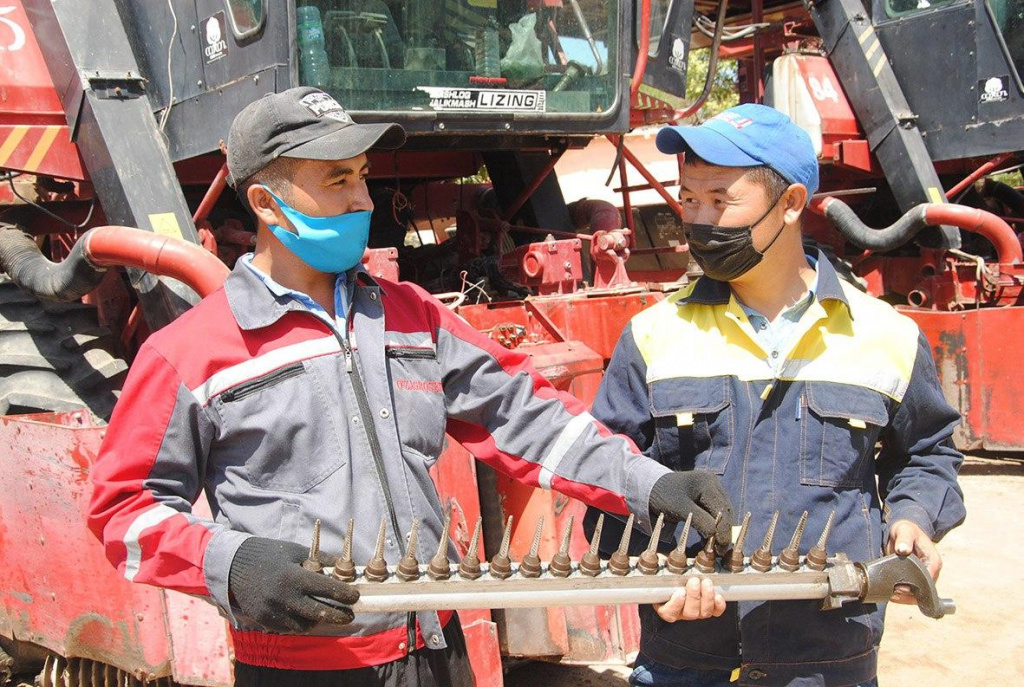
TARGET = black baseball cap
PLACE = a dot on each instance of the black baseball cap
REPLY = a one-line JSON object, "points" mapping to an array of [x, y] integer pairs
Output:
{"points": [[301, 123]]}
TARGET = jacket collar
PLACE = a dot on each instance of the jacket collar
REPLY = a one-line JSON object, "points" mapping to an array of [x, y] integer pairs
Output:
{"points": [[255, 306], [707, 291]]}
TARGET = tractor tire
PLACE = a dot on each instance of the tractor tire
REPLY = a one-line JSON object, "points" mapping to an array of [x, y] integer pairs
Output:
{"points": [[54, 357]]}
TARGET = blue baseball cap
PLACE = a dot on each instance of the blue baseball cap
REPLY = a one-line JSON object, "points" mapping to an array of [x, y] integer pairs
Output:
{"points": [[749, 135]]}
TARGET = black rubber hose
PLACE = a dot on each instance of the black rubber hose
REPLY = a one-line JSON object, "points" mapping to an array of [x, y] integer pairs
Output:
{"points": [[28, 268], [1005, 194], [861, 235]]}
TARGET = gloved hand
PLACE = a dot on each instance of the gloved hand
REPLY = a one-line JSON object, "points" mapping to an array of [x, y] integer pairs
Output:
{"points": [[269, 584], [678, 494]]}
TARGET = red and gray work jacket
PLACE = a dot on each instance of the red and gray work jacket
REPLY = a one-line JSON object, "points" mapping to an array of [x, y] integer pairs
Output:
{"points": [[284, 419]]}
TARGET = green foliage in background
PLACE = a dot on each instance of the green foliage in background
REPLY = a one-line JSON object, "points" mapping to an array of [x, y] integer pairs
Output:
{"points": [[1013, 178], [724, 91]]}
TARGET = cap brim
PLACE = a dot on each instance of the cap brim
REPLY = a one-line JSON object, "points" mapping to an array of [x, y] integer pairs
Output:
{"points": [[709, 145], [350, 141]]}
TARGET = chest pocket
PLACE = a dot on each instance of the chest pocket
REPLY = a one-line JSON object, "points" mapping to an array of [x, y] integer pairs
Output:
{"points": [[839, 427], [271, 426], [419, 398], [695, 424]]}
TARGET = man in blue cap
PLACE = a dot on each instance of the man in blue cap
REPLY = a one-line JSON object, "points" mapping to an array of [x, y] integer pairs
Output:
{"points": [[780, 379]]}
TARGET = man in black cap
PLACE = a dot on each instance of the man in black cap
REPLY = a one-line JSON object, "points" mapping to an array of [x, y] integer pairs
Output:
{"points": [[306, 390]]}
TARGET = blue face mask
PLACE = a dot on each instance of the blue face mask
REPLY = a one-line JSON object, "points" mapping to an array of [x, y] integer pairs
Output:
{"points": [[329, 244]]}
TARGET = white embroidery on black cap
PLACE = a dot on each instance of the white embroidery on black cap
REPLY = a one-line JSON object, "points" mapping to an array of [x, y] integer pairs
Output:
{"points": [[323, 105]]}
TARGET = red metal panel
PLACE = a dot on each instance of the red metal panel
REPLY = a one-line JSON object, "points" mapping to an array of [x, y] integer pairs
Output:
{"points": [[977, 354], [454, 476], [201, 644], [56, 587], [33, 130], [597, 321], [838, 122]]}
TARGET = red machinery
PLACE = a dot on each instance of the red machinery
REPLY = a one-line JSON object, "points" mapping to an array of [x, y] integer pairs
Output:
{"points": [[131, 135]]}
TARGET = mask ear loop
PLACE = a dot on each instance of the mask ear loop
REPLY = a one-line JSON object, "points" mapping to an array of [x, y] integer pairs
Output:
{"points": [[781, 228]]}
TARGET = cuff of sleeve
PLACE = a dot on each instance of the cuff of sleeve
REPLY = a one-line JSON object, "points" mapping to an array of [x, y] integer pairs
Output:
{"points": [[640, 479], [912, 512], [217, 566]]}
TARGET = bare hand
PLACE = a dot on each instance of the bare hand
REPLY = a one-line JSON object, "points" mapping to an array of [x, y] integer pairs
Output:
{"points": [[697, 601], [905, 538]]}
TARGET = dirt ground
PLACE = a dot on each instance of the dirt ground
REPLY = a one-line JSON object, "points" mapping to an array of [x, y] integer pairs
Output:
{"points": [[983, 571]]}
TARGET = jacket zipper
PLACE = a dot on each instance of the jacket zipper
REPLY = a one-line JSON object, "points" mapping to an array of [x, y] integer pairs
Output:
{"points": [[369, 427], [411, 353], [251, 387]]}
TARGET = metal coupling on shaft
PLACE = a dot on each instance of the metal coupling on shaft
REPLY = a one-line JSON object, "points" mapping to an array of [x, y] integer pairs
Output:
{"points": [[619, 563], [705, 560], [789, 559], [377, 569], [761, 561], [734, 559], [440, 568], [561, 564], [648, 562], [501, 564], [677, 562], [469, 568], [817, 557], [409, 568], [531, 566], [590, 564], [345, 567]]}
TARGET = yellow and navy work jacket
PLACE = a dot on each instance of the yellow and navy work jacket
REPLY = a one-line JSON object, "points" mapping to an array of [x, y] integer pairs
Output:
{"points": [[691, 384]]}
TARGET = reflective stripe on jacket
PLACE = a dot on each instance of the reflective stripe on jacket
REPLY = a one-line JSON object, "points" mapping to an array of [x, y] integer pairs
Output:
{"points": [[283, 420], [690, 383]]}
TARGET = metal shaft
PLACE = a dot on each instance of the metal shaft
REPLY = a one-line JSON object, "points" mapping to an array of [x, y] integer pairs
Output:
{"points": [[606, 589]]}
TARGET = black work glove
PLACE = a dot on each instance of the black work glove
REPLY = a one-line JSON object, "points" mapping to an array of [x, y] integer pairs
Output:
{"points": [[678, 494], [269, 584]]}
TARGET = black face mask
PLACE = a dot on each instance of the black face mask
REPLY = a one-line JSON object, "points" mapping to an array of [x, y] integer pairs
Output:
{"points": [[727, 253]]}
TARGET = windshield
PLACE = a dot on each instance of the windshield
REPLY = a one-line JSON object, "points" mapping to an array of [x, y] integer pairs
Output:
{"points": [[1009, 19], [512, 56]]}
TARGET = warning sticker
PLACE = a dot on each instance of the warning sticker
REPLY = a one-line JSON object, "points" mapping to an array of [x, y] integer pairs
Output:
{"points": [[484, 99]]}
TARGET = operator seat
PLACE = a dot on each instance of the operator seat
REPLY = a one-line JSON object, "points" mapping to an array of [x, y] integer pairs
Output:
{"points": [[362, 33]]}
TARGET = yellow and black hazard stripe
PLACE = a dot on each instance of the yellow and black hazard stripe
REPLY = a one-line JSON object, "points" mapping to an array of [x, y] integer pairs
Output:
{"points": [[40, 149]]}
